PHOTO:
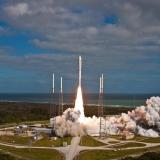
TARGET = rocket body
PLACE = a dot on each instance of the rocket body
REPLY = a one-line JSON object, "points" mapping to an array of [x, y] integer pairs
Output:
{"points": [[80, 71]]}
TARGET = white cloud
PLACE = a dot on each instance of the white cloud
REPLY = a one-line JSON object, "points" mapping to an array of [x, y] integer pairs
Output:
{"points": [[57, 25], [18, 9], [63, 29]]}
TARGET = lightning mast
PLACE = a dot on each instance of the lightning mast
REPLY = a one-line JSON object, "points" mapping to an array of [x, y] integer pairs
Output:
{"points": [[100, 104], [52, 110], [61, 98]]}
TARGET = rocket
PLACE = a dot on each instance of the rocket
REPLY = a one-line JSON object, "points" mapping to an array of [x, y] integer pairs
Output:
{"points": [[79, 98], [80, 71]]}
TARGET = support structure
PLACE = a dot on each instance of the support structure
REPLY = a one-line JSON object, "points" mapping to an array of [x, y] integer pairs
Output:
{"points": [[60, 112], [52, 107], [100, 106], [53, 84]]}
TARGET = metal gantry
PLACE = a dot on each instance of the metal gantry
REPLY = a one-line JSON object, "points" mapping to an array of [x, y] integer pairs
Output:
{"points": [[52, 103], [60, 110]]}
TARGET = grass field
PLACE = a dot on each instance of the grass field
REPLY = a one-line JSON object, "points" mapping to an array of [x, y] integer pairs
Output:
{"points": [[89, 141], [146, 156], [116, 137], [113, 142], [129, 145], [4, 156], [46, 142], [151, 140], [34, 154], [107, 155], [15, 139]]}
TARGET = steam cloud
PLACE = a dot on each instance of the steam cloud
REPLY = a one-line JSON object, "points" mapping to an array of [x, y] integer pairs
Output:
{"points": [[144, 121]]}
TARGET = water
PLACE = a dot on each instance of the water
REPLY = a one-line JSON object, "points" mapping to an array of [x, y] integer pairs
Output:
{"points": [[115, 100]]}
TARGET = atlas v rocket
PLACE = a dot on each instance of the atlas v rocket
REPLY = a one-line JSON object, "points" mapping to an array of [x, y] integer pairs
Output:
{"points": [[80, 71], [79, 98]]}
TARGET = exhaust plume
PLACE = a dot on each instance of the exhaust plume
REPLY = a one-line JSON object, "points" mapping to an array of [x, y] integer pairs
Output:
{"points": [[79, 104], [144, 121]]}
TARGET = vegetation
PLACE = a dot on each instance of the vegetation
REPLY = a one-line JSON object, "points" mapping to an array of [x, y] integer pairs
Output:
{"points": [[46, 142], [21, 111], [89, 141], [151, 140], [93, 110], [145, 156], [129, 145], [15, 139], [116, 137], [4, 156], [139, 138], [108, 154], [113, 142], [34, 154]]}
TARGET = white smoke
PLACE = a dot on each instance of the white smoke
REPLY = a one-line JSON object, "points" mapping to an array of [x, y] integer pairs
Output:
{"points": [[144, 120], [68, 123]]}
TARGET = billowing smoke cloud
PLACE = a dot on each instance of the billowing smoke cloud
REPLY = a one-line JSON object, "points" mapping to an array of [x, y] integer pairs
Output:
{"points": [[68, 123], [144, 121]]}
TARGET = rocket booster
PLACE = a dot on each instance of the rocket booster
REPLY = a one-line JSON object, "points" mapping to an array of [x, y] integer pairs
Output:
{"points": [[80, 70]]}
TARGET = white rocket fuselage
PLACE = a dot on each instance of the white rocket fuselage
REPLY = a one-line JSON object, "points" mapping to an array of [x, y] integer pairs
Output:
{"points": [[80, 71]]}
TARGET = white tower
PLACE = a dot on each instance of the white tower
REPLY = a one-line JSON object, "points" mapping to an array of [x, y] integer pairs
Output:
{"points": [[61, 90], [53, 84], [61, 98]]}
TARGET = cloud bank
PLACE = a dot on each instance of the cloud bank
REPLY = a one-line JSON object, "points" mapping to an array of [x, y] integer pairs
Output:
{"points": [[143, 121], [117, 36]]}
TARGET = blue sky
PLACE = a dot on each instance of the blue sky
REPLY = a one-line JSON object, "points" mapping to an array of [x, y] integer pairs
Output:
{"points": [[117, 38]]}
